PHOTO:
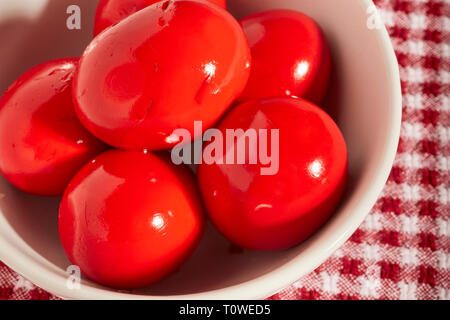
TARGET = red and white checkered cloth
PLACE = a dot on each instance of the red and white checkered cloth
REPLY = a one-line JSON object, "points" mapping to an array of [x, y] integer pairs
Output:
{"points": [[402, 250]]}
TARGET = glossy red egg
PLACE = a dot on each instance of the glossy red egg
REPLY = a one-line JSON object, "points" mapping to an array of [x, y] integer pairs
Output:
{"points": [[284, 205], [160, 70], [291, 56], [128, 219], [42, 143], [110, 12]]}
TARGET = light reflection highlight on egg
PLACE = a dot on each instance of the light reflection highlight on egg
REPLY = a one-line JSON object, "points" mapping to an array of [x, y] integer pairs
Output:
{"points": [[316, 168], [263, 206], [210, 69], [301, 70], [158, 222], [173, 138]]}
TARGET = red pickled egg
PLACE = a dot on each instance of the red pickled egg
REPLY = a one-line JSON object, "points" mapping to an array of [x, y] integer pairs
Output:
{"points": [[291, 56], [42, 142], [294, 184], [161, 69], [128, 219], [110, 12]]}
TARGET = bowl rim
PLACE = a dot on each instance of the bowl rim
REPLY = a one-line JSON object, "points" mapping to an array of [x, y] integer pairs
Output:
{"points": [[271, 282]]}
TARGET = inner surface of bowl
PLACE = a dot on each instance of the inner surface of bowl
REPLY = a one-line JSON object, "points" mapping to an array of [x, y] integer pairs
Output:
{"points": [[365, 97]]}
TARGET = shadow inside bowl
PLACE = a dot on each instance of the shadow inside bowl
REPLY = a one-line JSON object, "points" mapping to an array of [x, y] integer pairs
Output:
{"points": [[35, 220]]}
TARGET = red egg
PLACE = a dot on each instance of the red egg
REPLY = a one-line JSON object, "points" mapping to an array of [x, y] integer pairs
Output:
{"points": [[42, 143], [291, 56], [294, 184], [128, 219], [110, 12], [158, 71]]}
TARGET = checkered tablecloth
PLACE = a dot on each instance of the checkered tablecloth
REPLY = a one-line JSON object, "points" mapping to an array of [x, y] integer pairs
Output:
{"points": [[402, 250]]}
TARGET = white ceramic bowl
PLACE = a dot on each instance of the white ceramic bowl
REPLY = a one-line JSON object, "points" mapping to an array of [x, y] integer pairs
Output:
{"points": [[366, 88]]}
